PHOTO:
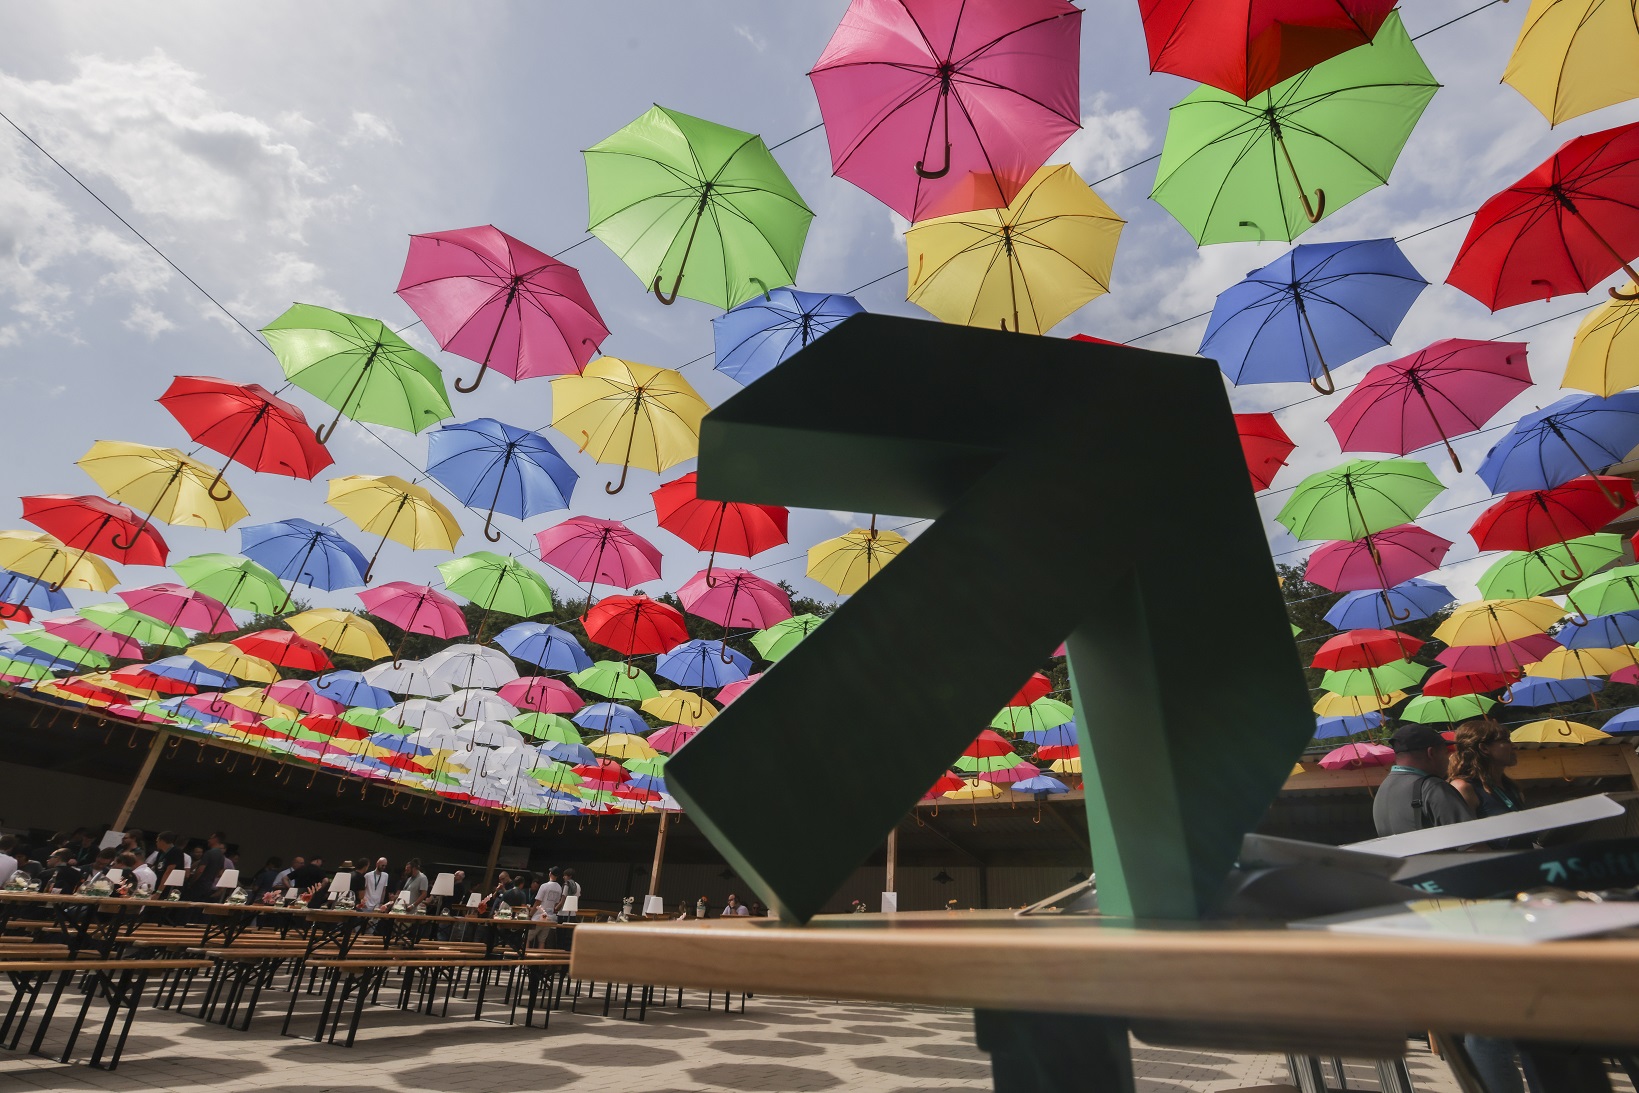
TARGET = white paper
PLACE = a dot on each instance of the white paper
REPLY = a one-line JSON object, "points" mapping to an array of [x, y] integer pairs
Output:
{"points": [[571, 905], [474, 900], [654, 905], [1527, 821], [341, 884], [890, 902], [115, 873], [443, 885], [292, 893], [228, 879], [111, 838], [1494, 920], [173, 878]]}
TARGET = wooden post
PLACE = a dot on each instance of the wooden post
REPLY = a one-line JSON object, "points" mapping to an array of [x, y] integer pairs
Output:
{"points": [[893, 859], [161, 737], [494, 852], [659, 855]]}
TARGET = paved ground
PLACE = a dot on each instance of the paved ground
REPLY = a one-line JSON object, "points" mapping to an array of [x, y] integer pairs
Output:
{"points": [[777, 1045]]}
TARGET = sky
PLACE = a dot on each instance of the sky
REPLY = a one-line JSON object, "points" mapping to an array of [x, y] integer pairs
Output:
{"points": [[285, 151]]}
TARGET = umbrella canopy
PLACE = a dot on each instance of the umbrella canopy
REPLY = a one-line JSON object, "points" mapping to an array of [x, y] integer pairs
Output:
{"points": [[1579, 434], [1395, 675], [497, 584], [548, 647], [340, 632], [1043, 713], [1364, 649], [600, 552], [783, 636], [95, 525], [1501, 658], [1556, 731], [302, 552], [621, 745], [542, 694], [1452, 683], [1605, 351], [1452, 387], [1624, 722], [1601, 631], [133, 624], [735, 690], [668, 739], [492, 299], [623, 412], [634, 625], [697, 206], [1355, 756], [415, 609], [845, 563], [728, 527], [1383, 560], [1581, 663], [1433, 710], [1358, 498], [680, 707], [513, 471], [388, 506], [247, 423], [936, 108], [1031, 263], [1493, 622], [20, 591], [1416, 598], [162, 482], [754, 337], [1607, 593], [614, 680], [48, 561], [1327, 728], [735, 599], [220, 656], [175, 605], [468, 665], [358, 366], [351, 689], [547, 727], [1316, 307], [478, 704], [1265, 445], [700, 663], [1575, 56], [1246, 47], [1237, 170], [300, 694], [1532, 519], [409, 677], [237, 582], [1562, 229], [1523, 574]]}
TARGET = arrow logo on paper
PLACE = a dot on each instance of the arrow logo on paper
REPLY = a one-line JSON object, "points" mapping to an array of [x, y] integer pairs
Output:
{"points": [[1555, 871]]}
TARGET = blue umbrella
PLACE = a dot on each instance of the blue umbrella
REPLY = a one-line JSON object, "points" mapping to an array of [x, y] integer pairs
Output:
{"points": [[1579, 434], [1626, 721], [648, 781], [174, 707], [1041, 783], [575, 755], [511, 470], [302, 552], [548, 647], [1348, 725], [188, 670], [31, 592], [350, 689], [759, 334], [700, 663], [608, 717], [400, 744], [1317, 306], [1367, 610], [16, 650], [1059, 735], [1601, 632], [1535, 691]]}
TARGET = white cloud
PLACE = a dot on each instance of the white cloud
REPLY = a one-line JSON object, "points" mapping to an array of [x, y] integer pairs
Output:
{"points": [[1107, 141], [370, 129], [147, 321]]}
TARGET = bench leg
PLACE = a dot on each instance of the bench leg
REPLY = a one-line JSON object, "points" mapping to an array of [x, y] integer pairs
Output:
{"points": [[51, 1009], [1054, 1052], [131, 991]]}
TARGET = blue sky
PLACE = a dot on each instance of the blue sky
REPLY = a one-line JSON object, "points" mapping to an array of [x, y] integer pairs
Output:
{"points": [[285, 151]]}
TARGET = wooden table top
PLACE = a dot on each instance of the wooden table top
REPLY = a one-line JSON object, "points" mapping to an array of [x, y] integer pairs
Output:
{"points": [[1586, 991]]}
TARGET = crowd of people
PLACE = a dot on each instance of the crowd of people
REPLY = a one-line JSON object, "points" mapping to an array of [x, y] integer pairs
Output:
{"points": [[1435, 782]]}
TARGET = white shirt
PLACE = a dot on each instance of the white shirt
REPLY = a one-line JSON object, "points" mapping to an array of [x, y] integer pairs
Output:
{"points": [[8, 866], [143, 875], [548, 898], [375, 888]]}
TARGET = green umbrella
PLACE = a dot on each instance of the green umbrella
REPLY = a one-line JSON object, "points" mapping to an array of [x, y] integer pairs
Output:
{"points": [[497, 584], [1609, 593], [134, 625], [1233, 169], [1359, 498], [555, 776], [614, 680], [1044, 713], [237, 582], [1396, 675], [697, 205], [984, 764], [547, 727], [1428, 710], [779, 639], [62, 650], [366, 718], [360, 367], [1521, 574], [655, 767]]}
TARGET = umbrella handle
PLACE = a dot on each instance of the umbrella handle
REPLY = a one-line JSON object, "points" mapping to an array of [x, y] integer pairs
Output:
{"points": [[489, 532], [616, 487], [1617, 294], [1318, 209], [1331, 388], [467, 389], [1388, 605], [922, 170], [661, 296]]}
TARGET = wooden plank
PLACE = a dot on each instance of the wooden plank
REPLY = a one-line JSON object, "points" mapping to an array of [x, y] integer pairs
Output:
{"points": [[659, 855], [1535, 764]]}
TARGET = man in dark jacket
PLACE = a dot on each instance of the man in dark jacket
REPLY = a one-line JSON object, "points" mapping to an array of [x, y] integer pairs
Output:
{"points": [[1416, 794]]}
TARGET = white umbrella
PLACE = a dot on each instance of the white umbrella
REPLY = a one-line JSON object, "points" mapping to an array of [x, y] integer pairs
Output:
{"points": [[476, 704], [471, 666], [413, 677]]}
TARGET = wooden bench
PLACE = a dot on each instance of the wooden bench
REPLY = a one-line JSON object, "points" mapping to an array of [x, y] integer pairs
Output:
{"points": [[118, 982]]}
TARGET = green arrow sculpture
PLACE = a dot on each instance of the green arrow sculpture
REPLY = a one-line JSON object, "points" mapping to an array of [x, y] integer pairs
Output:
{"points": [[1063, 476]]}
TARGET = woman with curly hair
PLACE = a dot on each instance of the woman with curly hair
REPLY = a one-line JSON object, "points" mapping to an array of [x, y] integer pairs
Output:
{"points": [[1480, 758]]}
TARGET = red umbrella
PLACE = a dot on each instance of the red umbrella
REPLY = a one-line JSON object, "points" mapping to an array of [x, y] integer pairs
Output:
{"points": [[1265, 445], [542, 694], [1450, 683], [1356, 649], [16, 612], [635, 624], [946, 108], [728, 527], [1037, 686], [1381, 561], [284, 648], [1510, 656], [988, 744], [605, 772], [133, 676], [1561, 229], [1533, 519], [247, 423], [1245, 47], [600, 552], [96, 525], [735, 599], [1050, 752], [946, 782], [492, 299]]}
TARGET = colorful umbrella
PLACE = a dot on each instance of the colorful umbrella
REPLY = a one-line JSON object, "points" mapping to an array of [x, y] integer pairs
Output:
{"points": [[598, 551], [1532, 519], [489, 298], [754, 337], [1581, 663], [1450, 388], [542, 694], [621, 745], [548, 647], [415, 609], [1601, 631], [1493, 622], [735, 690], [220, 656], [1605, 350], [622, 412], [668, 739], [358, 366], [1046, 253], [669, 187], [1327, 728], [546, 727], [1575, 56], [302, 552], [175, 605], [735, 599], [1043, 713], [1500, 658], [50, 565], [1265, 445], [1607, 593], [19, 592], [1237, 170], [485, 462], [1356, 756], [679, 707], [351, 689], [1452, 683], [1579, 434], [1432, 710], [388, 506], [782, 637], [340, 632], [728, 527], [247, 423], [937, 108], [1556, 731], [1562, 229], [1358, 498], [634, 625], [1316, 307], [614, 680], [497, 584], [1395, 675], [236, 582], [1246, 47], [162, 482], [845, 563], [700, 663], [1364, 649], [1523, 574], [95, 525], [133, 624], [1380, 561]]}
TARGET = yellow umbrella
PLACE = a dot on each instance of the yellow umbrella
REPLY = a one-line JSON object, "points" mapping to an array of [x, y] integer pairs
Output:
{"points": [[632, 414], [255, 700], [1071, 765], [1555, 731], [622, 745], [1335, 705], [1582, 663], [1575, 56], [340, 632], [388, 506], [46, 558], [977, 789], [107, 682], [679, 707], [162, 482], [1605, 351], [1034, 262], [845, 563], [1497, 622], [219, 656]]}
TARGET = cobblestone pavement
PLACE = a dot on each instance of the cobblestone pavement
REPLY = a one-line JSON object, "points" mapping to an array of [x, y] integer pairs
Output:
{"points": [[778, 1044]]}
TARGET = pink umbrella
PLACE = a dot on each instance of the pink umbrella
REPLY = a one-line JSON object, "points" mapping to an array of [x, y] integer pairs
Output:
{"points": [[1017, 773], [543, 694], [1507, 657], [489, 298], [735, 690], [298, 694], [88, 635], [600, 552], [1380, 561], [1449, 388], [131, 713], [1355, 756], [176, 605], [415, 609], [213, 703], [1626, 675], [672, 737], [735, 599], [938, 108]]}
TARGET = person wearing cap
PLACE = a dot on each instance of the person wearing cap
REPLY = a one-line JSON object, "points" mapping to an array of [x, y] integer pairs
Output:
{"points": [[1416, 794]]}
